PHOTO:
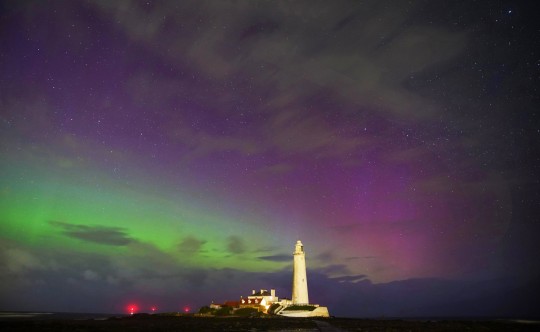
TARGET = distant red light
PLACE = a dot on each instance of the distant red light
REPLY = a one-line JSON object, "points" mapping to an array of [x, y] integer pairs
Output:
{"points": [[187, 309], [132, 308], [154, 309]]}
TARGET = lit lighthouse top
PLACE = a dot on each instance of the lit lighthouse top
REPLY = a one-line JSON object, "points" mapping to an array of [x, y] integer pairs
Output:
{"points": [[299, 248]]}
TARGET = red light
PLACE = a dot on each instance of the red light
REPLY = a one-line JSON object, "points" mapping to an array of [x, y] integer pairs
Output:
{"points": [[154, 309], [187, 309], [132, 308]]}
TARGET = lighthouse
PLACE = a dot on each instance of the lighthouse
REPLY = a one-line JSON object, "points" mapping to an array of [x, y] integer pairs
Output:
{"points": [[299, 305], [299, 287]]}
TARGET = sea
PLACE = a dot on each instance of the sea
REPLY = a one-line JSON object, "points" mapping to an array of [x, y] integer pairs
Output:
{"points": [[326, 325], [21, 316], [31, 315]]}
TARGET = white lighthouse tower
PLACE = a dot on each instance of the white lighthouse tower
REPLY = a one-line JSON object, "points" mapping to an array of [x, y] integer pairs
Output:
{"points": [[299, 305], [299, 287]]}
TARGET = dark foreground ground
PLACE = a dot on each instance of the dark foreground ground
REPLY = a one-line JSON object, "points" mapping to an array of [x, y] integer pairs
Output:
{"points": [[157, 323]]}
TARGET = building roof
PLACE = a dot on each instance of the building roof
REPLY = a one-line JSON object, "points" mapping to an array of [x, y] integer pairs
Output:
{"points": [[256, 300], [233, 304]]}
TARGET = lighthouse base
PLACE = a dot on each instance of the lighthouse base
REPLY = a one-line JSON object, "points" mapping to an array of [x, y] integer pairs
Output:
{"points": [[317, 312]]}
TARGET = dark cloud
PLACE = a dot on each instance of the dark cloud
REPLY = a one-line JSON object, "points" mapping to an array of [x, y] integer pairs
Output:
{"points": [[191, 244], [103, 282], [325, 257], [294, 66], [276, 258], [235, 245], [353, 279], [114, 236], [334, 269]]}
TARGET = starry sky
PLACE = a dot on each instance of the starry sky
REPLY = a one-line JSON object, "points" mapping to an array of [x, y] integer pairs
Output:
{"points": [[171, 153]]}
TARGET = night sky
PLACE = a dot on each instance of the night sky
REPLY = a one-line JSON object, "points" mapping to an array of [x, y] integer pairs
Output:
{"points": [[171, 154]]}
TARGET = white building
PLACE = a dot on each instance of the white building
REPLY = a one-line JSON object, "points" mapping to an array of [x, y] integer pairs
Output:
{"points": [[261, 298]]}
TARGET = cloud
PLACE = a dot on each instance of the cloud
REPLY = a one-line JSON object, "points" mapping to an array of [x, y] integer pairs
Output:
{"points": [[235, 245], [353, 279], [191, 244], [91, 282], [201, 143], [19, 261], [334, 269], [304, 132], [326, 256], [114, 236], [295, 71], [91, 275], [277, 258]]}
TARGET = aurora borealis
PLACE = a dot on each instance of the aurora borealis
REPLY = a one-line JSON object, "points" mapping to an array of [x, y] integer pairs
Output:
{"points": [[171, 153]]}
